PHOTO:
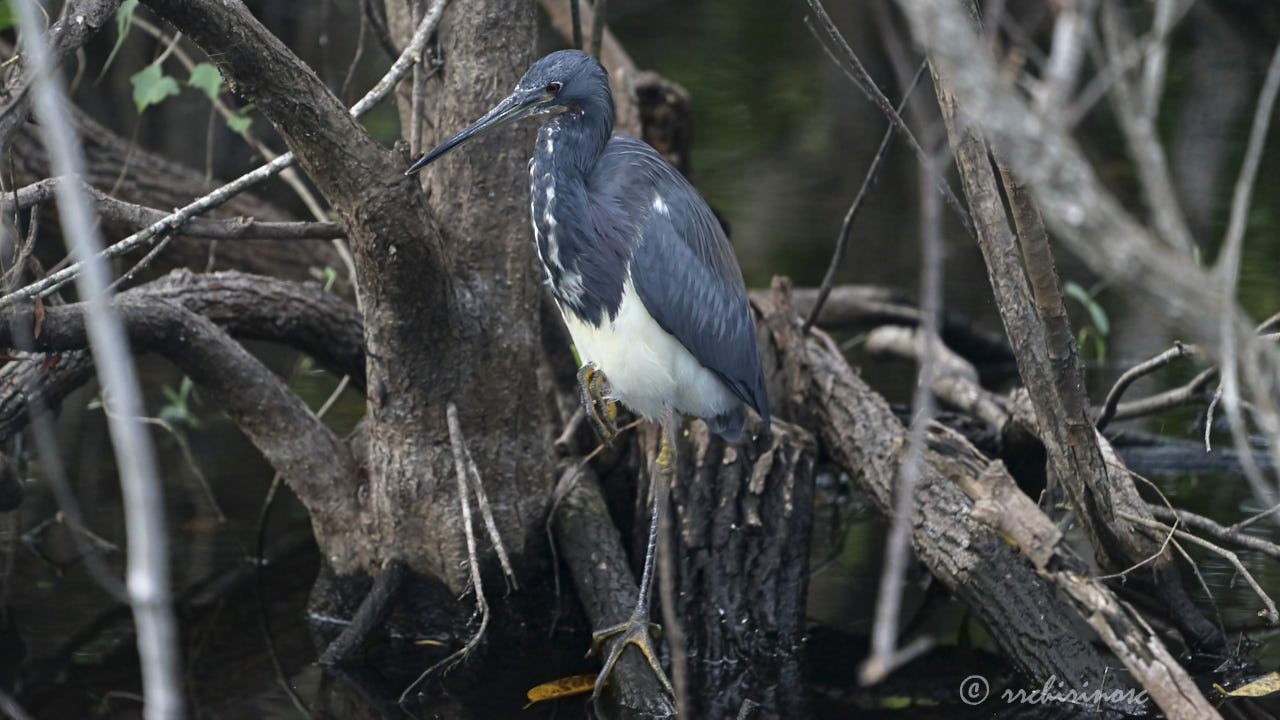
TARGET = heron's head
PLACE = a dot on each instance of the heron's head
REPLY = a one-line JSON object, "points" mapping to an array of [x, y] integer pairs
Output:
{"points": [[564, 81]]}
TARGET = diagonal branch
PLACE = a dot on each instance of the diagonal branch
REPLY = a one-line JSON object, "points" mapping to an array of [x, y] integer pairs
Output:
{"points": [[159, 229], [317, 465], [130, 214], [148, 562]]}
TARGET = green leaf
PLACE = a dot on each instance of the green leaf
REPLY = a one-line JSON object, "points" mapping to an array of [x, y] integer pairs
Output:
{"points": [[1099, 317], [1076, 292], [7, 20], [124, 20], [1097, 314], [206, 77], [151, 85], [239, 123]]}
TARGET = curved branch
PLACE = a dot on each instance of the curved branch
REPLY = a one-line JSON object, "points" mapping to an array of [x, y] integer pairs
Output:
{"points": [[300, 315], [317, 465]]}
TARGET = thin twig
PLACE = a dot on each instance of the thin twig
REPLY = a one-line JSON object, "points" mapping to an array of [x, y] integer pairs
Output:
{"points": [[10, 707], [1137, 371], [1191, 392], [259, 561], [359, 52], [117, 210], [846, 227], [1274, 509], [576, 14], [486, 512], [1227, 272], [852, 67], [597, 27], [482, 606], [1226, 534], [1066, 56], [152, 254], [563, 443], [1148, 559], [885, 654], [148, 235], [1272, 615], [185, 448], [148, 562], [1137, 119]]}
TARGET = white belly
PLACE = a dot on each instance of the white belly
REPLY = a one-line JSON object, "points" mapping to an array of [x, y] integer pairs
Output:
{"points": [[647, 368]]}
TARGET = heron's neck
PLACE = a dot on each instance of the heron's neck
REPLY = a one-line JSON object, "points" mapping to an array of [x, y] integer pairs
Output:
{"points": [[577, 138], [569, 245]]}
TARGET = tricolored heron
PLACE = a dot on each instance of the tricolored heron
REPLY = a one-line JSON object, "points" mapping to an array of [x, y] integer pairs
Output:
{"points": [[644, 277]]}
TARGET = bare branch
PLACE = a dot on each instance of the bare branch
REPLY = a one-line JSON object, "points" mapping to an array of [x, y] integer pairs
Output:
{"points": [[1271, 614], [1063, 67], [1226, 534], [158, 229], [1227, 272], [128, 213], [148, 563], [1129, 376], [1137, 117], [80, 21], [885, 655], [849, 63], [846, 226]]}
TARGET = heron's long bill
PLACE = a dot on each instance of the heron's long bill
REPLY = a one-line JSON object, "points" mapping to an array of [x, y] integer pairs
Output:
{"points": [[511, 109]]}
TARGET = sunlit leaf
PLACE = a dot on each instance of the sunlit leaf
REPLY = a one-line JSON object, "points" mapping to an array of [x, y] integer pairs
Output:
{"points": [[151, 85], [124, 20], [1258, 687], [206, 77], [564, 687]]}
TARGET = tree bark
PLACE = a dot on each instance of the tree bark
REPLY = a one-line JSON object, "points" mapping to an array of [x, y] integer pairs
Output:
{"points": [[317, 465], [741, 516], [300, 315], [814, 387], [453, 320]]}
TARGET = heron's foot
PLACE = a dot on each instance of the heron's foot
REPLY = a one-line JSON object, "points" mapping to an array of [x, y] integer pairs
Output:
{"points": [[637, 631], [601, 411]]}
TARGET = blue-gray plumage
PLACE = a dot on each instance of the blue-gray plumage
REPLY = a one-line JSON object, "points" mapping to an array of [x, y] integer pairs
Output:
{"points": [[644, 277], [646, 282]]}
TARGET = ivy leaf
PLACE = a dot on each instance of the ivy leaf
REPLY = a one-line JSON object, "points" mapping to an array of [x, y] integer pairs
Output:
{"points": [[151, 85], [124, 20], [206, 77], [239, 123]]}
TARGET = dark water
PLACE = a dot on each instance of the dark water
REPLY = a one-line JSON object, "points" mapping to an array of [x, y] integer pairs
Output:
{"points": [[780, 146]]}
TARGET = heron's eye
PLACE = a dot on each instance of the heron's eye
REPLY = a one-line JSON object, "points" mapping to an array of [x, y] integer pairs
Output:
{"points": [[553, 87]]}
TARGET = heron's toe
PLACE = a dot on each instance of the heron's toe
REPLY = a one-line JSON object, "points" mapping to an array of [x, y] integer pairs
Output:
{"points": [[601, 410], [637, 631]]}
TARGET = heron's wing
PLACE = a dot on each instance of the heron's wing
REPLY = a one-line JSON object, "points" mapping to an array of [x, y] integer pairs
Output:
{"points": [[682, 266]]}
